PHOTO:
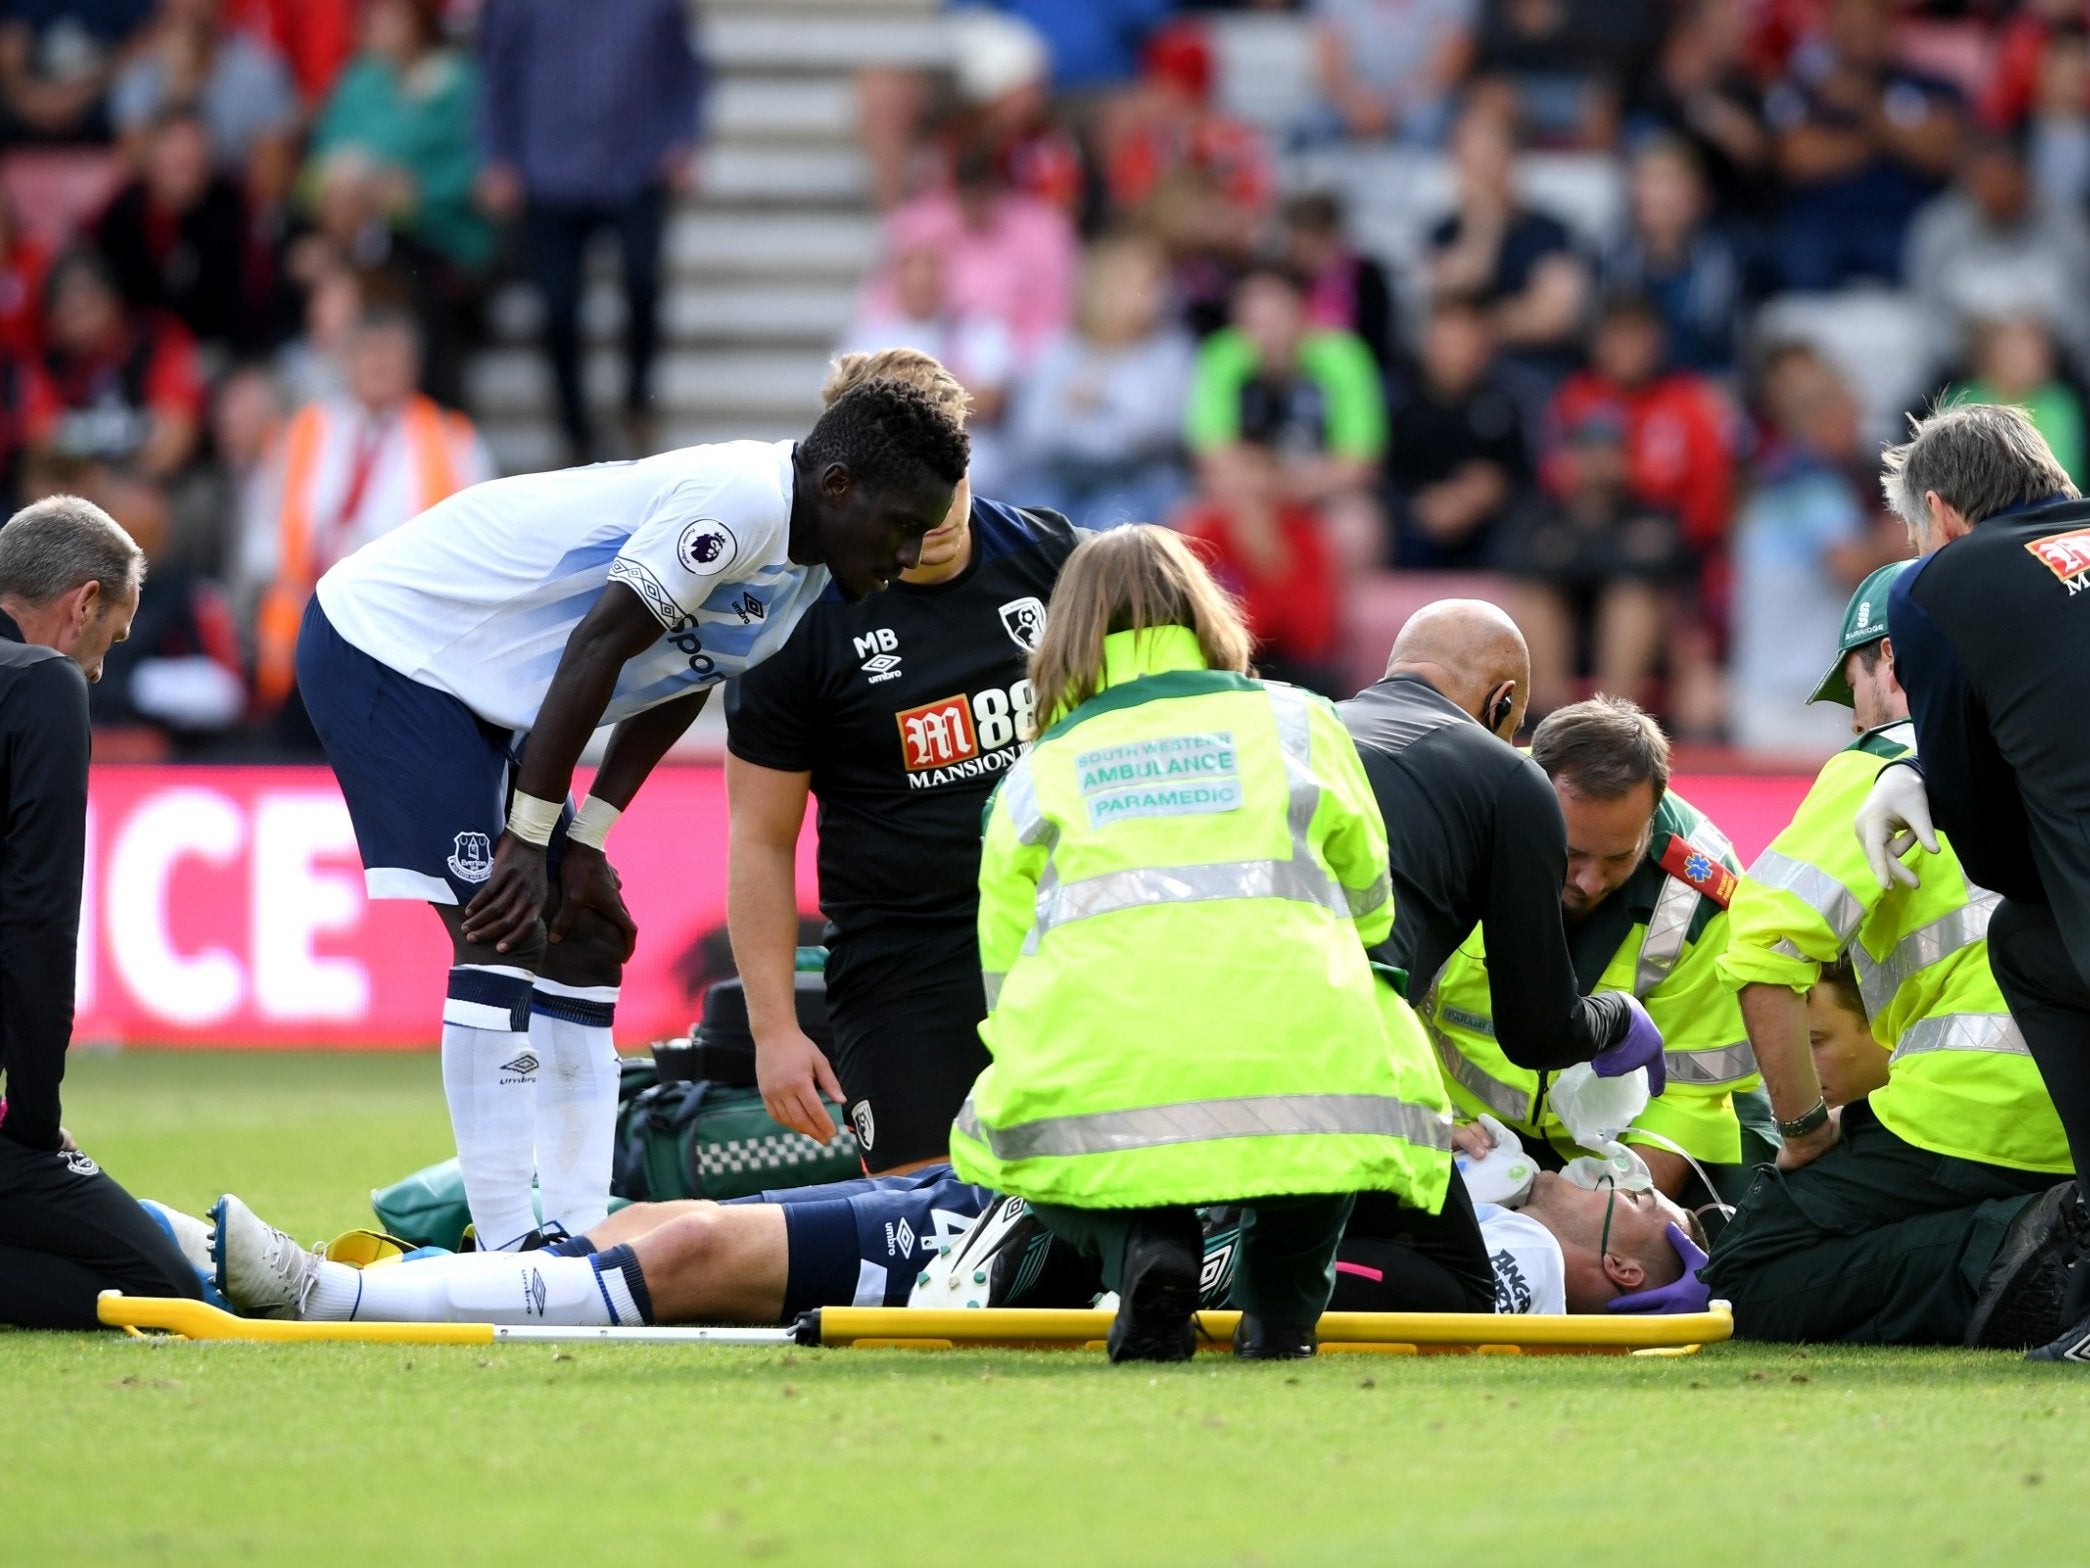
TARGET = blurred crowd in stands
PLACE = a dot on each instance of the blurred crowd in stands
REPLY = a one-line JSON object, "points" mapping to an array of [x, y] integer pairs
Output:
{"points": [[1600, 308], [245, 247]]}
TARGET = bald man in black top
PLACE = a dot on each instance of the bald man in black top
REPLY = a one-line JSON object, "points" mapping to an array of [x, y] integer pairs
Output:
{"points": [[1474, 830]]}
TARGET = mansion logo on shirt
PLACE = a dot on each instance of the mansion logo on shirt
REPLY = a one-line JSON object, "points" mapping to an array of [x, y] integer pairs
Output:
{"points": [[962, 737], [2067, 556]]}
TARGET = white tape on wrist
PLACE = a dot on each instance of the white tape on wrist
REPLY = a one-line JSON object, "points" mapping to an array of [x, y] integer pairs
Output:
{"points": [[592, 826], [532, 820]]}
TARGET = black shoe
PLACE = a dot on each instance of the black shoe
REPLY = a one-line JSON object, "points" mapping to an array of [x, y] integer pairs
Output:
{"points": [[2023, 1297], [1157, 1298], [1255, 1340], [2073, 1345]]}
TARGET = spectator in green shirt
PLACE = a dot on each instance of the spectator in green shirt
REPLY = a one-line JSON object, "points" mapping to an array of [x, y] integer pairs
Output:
{"points": [[409, 104], [2014, 363], [1315, 396]]}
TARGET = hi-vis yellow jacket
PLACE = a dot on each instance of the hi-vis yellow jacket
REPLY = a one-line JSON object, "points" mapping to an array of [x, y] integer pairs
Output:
{"points": [[1176, 891], [1959, 1081], [1659, 937]]}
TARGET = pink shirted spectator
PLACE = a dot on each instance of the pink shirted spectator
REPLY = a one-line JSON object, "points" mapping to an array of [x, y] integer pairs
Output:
{"points": [[1006, 257]]}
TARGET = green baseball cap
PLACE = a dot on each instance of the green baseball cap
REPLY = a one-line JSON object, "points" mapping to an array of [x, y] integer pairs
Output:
{"points": [[1864, 621]]}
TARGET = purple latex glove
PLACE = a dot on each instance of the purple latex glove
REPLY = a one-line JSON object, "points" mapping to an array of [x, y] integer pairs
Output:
{"points": [[1687, 1294], [1641, 1047]]}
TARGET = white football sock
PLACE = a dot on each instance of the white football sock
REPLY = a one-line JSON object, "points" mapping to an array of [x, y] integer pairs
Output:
{"points": [[576, 1101], [490, 1078], [486, 1287]]}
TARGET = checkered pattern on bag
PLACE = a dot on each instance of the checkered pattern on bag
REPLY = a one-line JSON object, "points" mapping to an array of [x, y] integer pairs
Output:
{"points": [[770, 1152]]}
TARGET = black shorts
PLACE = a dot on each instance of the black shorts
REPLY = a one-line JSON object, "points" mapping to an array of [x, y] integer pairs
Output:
{"points": [[906, 1018], [69, 1232]]}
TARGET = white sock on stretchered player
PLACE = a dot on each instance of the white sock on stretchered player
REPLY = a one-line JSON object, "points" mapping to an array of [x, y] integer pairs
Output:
{"points": [[604, 1289], [576, 1111], [264, 1271], [490, 1077]]}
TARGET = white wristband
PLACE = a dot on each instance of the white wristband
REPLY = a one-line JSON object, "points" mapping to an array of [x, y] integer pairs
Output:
{"points": [[532, 820], [592, 826]]}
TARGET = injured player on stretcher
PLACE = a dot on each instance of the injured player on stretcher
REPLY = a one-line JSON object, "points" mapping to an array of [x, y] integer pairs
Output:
{"points": [[1553, 1244]]}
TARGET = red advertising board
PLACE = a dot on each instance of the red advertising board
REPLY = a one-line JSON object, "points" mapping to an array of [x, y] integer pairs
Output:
{"points": [[225, 907]]}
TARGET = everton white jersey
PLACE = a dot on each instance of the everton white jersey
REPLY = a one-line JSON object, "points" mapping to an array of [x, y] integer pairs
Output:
{"points": [[477, 595]]}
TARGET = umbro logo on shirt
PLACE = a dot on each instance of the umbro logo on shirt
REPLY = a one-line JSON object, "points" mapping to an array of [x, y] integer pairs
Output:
{"points": [[880, 651], [748, 608]]}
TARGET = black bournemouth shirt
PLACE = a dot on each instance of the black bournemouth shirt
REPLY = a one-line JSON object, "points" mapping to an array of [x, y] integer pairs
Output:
{"points": [[907, 709]]}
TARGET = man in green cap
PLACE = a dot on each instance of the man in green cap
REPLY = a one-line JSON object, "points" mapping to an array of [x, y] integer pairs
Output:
{"points": [[1934, 1210]]}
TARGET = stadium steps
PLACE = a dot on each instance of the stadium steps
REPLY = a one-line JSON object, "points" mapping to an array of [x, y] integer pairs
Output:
{"points": [[762, 263]]}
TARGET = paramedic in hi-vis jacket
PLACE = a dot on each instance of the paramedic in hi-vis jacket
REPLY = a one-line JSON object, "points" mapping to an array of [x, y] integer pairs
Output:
{"points": [[1935, 1209], [1178, 885]]}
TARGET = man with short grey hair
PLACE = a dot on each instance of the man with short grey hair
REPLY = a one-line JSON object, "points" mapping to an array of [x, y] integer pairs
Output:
{"points": [[1991, 632], [69, 580]]}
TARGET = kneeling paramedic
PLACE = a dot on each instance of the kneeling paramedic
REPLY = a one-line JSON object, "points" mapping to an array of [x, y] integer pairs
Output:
{"points": [[1934, 1209], [1177, 888], [1645, 901]]}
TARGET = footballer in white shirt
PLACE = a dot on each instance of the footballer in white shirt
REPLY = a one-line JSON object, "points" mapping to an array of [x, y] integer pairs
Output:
{"points": [[456, 667]]}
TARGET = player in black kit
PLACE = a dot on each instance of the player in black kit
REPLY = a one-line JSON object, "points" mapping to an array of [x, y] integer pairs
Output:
{"points": [[899, 715]]}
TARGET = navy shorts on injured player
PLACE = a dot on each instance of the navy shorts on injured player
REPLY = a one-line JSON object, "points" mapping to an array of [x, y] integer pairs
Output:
{"points": [[863, 1244], [529, 1068]]}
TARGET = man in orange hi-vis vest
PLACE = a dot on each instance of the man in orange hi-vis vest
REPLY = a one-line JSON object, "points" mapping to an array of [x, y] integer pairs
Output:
{"points": [[350, 468]]}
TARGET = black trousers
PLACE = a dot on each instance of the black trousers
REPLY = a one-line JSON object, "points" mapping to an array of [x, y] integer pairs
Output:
{"points": [[1287, 1263], [1877, 1242], [68, 1231], [1395, 1258], [556, 236], [2051, 1004]]}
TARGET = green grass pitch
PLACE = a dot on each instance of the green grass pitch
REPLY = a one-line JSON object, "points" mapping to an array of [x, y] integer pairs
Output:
{"points": [[120, 1452]]}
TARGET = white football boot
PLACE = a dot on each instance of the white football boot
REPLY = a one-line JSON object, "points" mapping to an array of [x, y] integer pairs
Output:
{"points": [[260, 1270]]}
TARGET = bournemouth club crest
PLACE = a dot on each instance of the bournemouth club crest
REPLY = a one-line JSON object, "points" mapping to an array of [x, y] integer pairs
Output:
{"points": [[1024, 620]]}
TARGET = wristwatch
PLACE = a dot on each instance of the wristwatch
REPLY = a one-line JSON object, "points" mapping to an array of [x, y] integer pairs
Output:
{"points": [[1810, 1120]]}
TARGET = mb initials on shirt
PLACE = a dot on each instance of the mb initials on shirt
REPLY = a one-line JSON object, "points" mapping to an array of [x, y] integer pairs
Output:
{"points": [[880, 651], [2067, 556]]}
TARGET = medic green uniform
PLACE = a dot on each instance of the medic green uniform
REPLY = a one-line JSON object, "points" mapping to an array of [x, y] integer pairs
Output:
{"points": [[1888, 1236], [1177, 888], [1660, 937]]}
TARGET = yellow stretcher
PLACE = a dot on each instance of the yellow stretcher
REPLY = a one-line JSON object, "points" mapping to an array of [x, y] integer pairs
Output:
{"points": [[1384, 1333]]}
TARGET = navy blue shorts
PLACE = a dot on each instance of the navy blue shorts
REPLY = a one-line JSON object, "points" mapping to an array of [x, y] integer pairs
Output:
{"points": [[862, 1243], [426, 779]]}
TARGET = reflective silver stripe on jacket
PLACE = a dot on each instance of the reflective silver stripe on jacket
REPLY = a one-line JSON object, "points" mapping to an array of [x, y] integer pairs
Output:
{"points": [[1299, 879], [1715, 1064], [1505, 1100], [990, 982], [1669, 926], [1300, 882], [1813, 887], [1019, 798], [1994, 1032], [1944, 936], [1208, 1121]]}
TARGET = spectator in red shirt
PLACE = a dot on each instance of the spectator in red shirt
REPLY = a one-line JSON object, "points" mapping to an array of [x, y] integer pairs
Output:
{"points": [[1198, 179], [123, 407], [1271, 551], [1679, 440], [177, 236], [1600, 567], [316, 37], [23, 263]]}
